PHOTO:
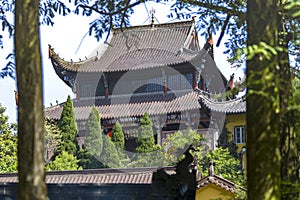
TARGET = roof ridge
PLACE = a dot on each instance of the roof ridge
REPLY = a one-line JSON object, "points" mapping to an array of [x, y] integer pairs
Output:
{"points": [[230, 186], [223, 179], [149, 26]]}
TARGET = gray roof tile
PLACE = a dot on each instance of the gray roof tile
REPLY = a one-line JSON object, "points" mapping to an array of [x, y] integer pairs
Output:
{"points": [[218, 181], [136, 48], [237, 105], [97, 176], [185, 102]]}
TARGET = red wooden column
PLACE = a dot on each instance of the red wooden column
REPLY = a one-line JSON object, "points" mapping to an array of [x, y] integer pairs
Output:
{"points": [[165, 80], [195, 85]]}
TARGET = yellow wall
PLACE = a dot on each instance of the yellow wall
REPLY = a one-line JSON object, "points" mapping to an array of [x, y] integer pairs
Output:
{"points": [[232, 121], [213, 192]]}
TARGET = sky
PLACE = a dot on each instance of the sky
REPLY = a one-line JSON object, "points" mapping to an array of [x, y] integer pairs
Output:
{"points": [[69, 40]]}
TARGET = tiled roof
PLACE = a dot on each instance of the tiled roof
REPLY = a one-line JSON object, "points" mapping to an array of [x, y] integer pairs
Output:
{"points": [[138, 47], [237, 105], [97, 176], [218, 181], [188, 101], [123, 99]]}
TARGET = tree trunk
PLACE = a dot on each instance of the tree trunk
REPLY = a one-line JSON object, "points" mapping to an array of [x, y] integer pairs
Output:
{"points": [[263, 104], [30, 112]]}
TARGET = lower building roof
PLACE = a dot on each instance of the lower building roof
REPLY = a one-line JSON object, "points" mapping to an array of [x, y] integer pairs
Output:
{"points": [[96, 176], [218, 181]]}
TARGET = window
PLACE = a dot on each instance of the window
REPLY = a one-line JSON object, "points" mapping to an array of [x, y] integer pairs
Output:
{"points": [[180, 81], [239, 134], [186, 81], [173, 82], [154, 85]]}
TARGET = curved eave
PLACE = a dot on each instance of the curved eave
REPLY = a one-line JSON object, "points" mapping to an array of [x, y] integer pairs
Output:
{"points": [[186, 102], [65, 65], [89, 65], [230, 107]]}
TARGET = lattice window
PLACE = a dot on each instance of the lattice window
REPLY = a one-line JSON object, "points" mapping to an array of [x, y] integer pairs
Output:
{"points": [[186, 81], [239, 134]]}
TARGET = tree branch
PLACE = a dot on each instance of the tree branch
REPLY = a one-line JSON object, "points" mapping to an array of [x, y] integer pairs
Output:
{"points": [[111, 13], [230, 12], [223, 30], [123, 15]]}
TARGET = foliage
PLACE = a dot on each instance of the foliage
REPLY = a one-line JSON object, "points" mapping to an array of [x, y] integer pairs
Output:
{"points": [[225, 165], [8, 153], [290, 188], [217, 16], [118, 136], [271, 150], [224, 143], [9, 69], [111, 14], [241, 194], [52, 138], [89, 155], [294, 105], [291, 30], [87, 160], [224, 17], [64, 161], [47, 10], [181, 140], [109, 156], [8, 145], [119, 141], [145, 141], [170, 152], [5, 127], [93, 141], [153, 159], [68, 127]]}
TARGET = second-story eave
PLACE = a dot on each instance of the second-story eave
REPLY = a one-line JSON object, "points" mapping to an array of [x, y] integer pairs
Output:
{"points": [[66, 75], [185, 102], [217, 104]]}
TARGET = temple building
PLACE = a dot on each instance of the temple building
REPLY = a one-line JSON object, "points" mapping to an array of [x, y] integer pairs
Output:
{"points": [[159, 69]]}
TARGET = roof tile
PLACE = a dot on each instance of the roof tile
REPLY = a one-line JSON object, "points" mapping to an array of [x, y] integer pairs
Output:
{"points": [[137, 48], [219, 181], [237, 105], [188, 101], [98, 176]]}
